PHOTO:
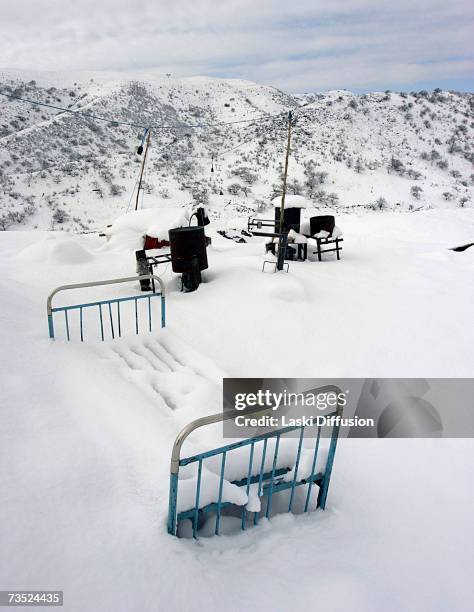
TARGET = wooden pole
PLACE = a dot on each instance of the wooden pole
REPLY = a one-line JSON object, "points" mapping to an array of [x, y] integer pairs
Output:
{"points": [[142, 169], [285, 174]]}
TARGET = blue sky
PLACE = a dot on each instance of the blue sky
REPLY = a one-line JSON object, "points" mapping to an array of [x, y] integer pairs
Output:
{"points": [[300, 46]]}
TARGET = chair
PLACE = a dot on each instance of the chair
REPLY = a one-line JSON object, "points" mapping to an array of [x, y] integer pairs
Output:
{"points": [[291, 219], [325, 223]]}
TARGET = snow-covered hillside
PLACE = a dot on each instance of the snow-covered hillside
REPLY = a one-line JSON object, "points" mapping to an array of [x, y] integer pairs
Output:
{"points": [[383, 150]]}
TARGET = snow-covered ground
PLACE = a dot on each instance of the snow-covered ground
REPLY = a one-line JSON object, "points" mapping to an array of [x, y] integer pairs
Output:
{"points": [[86, 430]]}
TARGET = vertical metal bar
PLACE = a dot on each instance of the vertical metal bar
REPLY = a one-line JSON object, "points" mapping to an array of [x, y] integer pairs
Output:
{"points": [[163, 311], [285, 175], [249, 475], [111, 321], [67, 326], [282, 251], [149, 313], [101, 323], [323, 491], [196, 504], [313, 467], [172, 505], [136, 316], [80, 323], [119, 323], [260, 478], [297, 464], [51, 326], [219, 500], [270, 493]]}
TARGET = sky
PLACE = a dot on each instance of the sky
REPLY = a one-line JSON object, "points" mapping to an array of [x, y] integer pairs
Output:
{"points": [[299, 46]]}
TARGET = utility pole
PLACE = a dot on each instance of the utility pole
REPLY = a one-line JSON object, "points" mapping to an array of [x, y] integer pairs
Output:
{"points": [[142, 168], [285, 174]]}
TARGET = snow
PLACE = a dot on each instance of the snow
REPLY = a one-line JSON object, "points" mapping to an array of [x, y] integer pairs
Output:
{"points": [[254, 504], [292, 201], [86, 429], [69, 252], [306, 464], [64, 250], [128, 230], [209, 491], [237, 460], [296, 238]]}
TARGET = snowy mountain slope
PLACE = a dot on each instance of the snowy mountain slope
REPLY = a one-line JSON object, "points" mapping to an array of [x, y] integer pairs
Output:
{"points": [[63, 171]]}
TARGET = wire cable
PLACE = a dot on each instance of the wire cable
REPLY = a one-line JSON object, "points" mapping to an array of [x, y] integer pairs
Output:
{"points": [[220, 154], [117, 122], [71, 111]]}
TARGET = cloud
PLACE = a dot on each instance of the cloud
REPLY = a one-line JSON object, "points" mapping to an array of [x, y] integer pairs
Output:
{"points": [[299, 46]]}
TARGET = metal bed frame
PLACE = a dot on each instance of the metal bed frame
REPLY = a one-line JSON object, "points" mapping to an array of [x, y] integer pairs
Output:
{"points": [[269, 483], [106, 303]]}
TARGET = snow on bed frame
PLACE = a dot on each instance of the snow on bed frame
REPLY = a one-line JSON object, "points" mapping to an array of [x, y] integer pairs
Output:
{"points": [[232, 478]]}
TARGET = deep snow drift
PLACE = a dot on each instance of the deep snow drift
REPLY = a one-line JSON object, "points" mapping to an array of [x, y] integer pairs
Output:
{"points": [[86, 430]]}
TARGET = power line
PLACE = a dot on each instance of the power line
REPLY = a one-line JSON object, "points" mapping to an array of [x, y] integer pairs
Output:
{"points": [[225, 152], [69, 110], [131, 195], [210, 125], [117, 122], [221, 153]]}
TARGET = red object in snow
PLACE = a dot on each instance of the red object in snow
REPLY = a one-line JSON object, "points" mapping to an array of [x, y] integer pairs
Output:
{"points": [[154, 243]]}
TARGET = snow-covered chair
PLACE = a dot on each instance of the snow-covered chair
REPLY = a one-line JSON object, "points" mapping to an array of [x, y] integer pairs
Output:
{"points": [[324, 232]]}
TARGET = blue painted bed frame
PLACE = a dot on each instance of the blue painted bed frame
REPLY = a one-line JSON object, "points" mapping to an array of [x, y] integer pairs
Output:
{"points": [[107, 304], [269, 483]]}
